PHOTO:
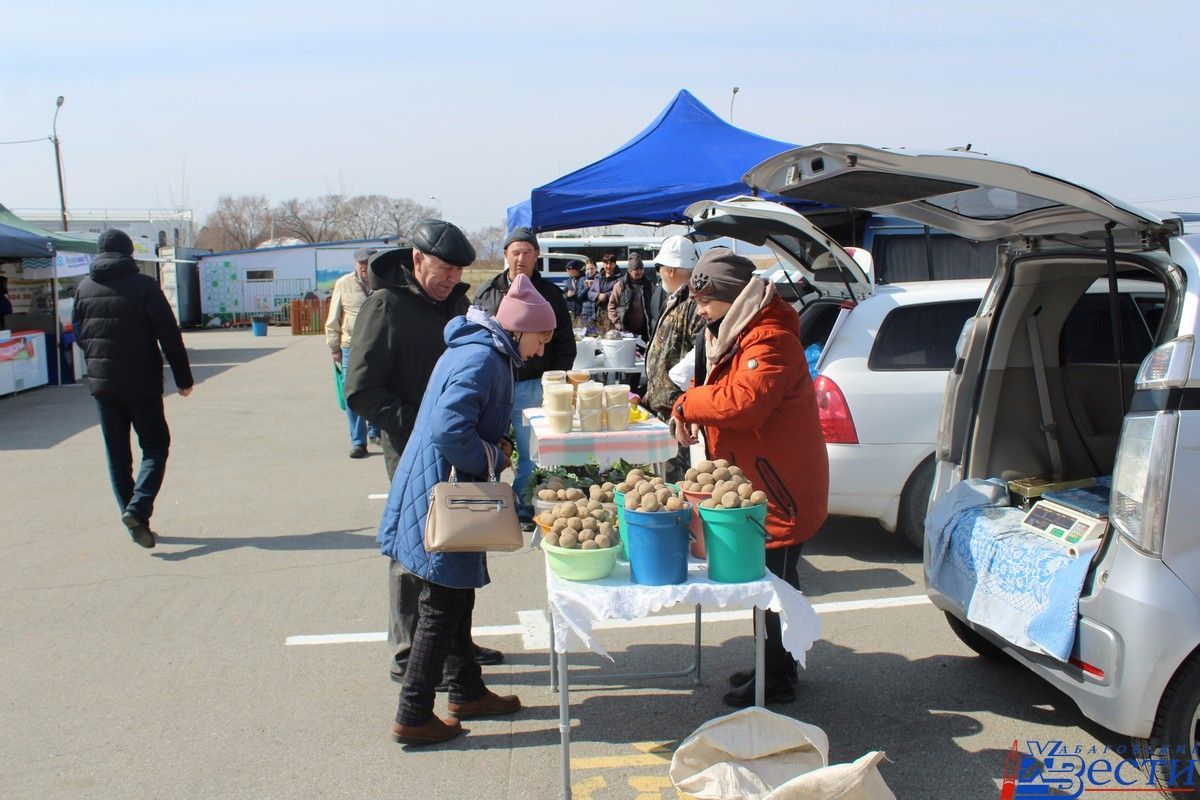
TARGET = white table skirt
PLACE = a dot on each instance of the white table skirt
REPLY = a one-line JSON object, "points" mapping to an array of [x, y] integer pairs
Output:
{"points": [[576, 606]]}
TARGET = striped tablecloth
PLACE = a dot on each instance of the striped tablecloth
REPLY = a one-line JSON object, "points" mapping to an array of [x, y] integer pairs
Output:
{"points": [[647, 442]]}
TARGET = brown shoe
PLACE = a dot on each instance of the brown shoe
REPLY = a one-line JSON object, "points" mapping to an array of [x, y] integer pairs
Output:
{"points": [[433, 732], [490, 705]]}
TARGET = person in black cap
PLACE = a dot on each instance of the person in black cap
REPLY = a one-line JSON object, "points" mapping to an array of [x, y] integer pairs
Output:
{"points": [[521, 254], [576, 291], [121, 319], [397, 342], [349, 293]]}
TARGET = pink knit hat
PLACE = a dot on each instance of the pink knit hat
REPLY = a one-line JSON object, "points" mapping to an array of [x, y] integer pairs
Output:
{"points": [[524, 310]]}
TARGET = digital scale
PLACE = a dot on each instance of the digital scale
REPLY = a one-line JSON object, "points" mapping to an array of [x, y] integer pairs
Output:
{"points": [[1070, 517]]}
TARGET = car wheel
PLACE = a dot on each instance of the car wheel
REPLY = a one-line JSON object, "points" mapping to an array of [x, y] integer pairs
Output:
{"points": [[976, 641], [1176, 732], [914, 501]]}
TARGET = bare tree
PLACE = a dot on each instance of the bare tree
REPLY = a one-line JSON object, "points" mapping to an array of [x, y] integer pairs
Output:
{"points": [[322, 219], [374, 215], [487, 243], [239, 222]]}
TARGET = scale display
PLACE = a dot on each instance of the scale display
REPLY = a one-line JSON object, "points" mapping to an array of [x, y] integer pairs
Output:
{"points": [[1065, 525]]}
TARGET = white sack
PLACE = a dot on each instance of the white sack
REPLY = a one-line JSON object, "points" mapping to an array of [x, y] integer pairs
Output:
{"points": [[747, 754], [857, 781]]}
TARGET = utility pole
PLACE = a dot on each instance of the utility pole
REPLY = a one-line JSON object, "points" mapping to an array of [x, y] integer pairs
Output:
{"points": [[62, 201]]}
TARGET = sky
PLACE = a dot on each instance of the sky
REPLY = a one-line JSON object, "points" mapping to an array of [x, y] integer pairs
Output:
{"points": [[467, 106]]}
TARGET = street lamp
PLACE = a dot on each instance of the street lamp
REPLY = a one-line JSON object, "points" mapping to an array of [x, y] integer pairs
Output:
{"points": [[439, 205], [62, 201], [731, 99]]}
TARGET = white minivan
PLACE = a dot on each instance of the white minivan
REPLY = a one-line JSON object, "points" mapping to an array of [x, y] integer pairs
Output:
{"points": [[1035, 393]]}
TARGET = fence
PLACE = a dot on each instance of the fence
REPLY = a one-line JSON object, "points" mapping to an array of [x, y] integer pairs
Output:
{"points": [[271, 299], [308, 316]]}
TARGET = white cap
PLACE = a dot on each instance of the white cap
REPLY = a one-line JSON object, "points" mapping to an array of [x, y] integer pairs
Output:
{"points": [[677, 251]]}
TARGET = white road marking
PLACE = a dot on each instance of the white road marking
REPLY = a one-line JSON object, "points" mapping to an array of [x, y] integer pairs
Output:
{"points": [[534, 628], [377, 496]]}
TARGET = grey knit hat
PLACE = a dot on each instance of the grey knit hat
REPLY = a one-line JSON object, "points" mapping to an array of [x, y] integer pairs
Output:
{"points": [[721, 274], [522, 235]]}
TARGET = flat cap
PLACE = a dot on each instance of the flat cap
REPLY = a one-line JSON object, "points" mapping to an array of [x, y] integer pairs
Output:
{"points": [[436, 237], [363, 254]]}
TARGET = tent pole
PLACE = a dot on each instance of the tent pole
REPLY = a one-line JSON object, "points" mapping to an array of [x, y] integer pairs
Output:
{"points": [[58, 365]]}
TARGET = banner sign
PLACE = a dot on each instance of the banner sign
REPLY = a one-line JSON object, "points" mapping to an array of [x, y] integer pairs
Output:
{"points": [[16, 349], [67, 265]]}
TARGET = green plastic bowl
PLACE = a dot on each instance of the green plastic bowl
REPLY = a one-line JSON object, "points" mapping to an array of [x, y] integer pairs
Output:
{"points": [[581, 565]]}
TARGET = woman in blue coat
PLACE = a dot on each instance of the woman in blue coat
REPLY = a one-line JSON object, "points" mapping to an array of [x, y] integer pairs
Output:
{"points": [[463, 418]]}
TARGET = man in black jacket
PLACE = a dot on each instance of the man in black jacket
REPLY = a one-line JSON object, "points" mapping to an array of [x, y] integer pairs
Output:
{"points": [[521, 254], [398, 339], [121, 319]]}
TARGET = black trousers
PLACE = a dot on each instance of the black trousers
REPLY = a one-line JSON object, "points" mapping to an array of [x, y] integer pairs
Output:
{"points": [[145, 416], [783, 562], [442, 645]]}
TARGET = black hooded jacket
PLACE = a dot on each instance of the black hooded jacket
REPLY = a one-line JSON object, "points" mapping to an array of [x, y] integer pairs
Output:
{"points": [[397, 342], [120, 320], [560, 353]]}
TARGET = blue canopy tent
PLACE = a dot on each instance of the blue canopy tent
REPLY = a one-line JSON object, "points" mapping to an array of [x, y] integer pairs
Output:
{"points": [[19, 243], [686, 154]]}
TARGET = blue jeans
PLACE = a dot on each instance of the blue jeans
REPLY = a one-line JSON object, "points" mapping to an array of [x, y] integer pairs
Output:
{"points": [[145, 416], [360, 429], [528, 395]]}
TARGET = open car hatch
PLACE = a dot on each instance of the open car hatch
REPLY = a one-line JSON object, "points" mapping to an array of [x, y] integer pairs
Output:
{"points": [[974, 196], [798, 243]]}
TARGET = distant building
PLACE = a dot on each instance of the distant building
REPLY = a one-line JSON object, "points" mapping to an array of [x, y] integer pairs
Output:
{"points": [[154, 227]]}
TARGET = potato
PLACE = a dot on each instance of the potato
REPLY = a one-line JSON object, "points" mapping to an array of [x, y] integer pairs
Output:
{"points": [[635, 475], [691, 474], [730, 500], [594, 504], [575, 524], [561, 494], [705, 478], [720, 462], [650, 503], [664, 494], [555, 484], [745, 490], [568, 540], [657, 482], [643, 486], [560, 524], [551, 539], [588, 545], [747, 504], [623, 487], [575, 494], [721, 473], [591, 524], [606, 529], [674, 504], [547, 494], [736, 470], [710, 502], [758, 497], [603, 542], [707, 488], [585, 536], [705, 466], [594, 491], [633, 501]]}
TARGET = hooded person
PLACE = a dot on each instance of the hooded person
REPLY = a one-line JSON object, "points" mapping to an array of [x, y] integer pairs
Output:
{"points": [[396, 344], [758, 411], [121, 321], [461, 421]]}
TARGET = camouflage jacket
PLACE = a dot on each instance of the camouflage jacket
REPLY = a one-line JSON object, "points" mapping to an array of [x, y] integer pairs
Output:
{"points": [[673, 339]]}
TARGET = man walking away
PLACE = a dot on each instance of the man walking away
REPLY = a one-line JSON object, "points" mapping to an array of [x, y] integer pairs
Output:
{"points": [[121, 319], [521, 254], [397, 342], [349, 292]]}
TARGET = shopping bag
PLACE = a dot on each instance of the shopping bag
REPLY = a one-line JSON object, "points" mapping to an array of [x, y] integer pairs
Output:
{"points": [[747, 754], [338, 385]]}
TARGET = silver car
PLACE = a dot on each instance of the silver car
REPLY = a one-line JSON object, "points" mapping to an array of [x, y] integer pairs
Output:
{"points": [[1042, 388]]}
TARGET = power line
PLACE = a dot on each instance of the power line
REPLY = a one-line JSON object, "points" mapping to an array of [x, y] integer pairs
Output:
{"points": [[28, 141]]}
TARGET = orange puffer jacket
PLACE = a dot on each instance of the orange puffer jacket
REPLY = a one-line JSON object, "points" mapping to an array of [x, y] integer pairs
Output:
{"points": [[759, 411]]}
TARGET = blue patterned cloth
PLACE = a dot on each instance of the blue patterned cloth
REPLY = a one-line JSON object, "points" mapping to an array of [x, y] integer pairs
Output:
{"points": [[1013, 582]]}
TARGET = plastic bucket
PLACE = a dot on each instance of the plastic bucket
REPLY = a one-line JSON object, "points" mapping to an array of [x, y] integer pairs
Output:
{"points": [[696, 525], [618, 352], [736, 543], [580, 565], [619, 499], [258, 326], [585, 354], [658, 546]]}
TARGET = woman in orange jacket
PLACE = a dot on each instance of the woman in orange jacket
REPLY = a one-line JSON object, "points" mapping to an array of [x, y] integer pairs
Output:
{"points": [[757, 409]]}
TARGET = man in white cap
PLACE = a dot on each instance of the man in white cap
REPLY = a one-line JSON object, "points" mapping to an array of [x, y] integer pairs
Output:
{"points": [[673, 336]]}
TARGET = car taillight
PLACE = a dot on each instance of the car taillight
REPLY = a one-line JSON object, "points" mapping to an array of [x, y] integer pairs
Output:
{"points": [[836, 423], [1141, 478], [1167, 367]]}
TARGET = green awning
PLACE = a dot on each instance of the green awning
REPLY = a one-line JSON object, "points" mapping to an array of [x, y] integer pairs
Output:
{"points": [[64, 242]]}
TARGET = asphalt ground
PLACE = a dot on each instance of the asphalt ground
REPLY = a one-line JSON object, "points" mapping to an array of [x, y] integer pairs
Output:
{"points": [[128, 673]]}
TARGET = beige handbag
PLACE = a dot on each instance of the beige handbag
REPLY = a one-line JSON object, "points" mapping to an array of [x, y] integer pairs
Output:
{"points": [[473, 517]]}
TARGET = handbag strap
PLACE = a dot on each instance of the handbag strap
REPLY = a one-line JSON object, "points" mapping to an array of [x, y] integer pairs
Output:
{"points": [[491, 459]]}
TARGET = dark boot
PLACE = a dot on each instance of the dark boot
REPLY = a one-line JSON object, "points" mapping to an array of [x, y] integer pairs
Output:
{"points": [[778, 690], [742, 675], [139, 529], [486, 656]]}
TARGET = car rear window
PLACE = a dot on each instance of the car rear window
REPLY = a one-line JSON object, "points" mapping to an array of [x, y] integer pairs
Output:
{"points": [[1087, 333], [920, 337]]}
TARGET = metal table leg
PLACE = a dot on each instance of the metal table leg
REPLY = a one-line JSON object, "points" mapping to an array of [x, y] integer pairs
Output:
{"points": [[553, 661], [760, 656], [564, 724], [696, 679]]}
